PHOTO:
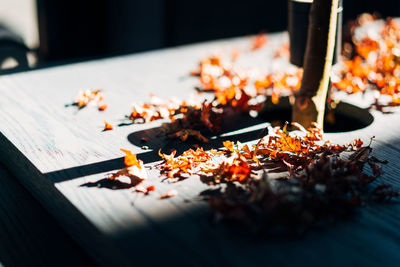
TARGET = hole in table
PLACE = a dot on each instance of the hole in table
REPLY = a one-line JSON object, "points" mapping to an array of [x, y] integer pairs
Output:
{"points": [[240, 127], [346, 117]]}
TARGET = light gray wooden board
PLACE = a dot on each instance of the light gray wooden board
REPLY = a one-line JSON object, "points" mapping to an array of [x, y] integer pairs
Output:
{"points": [[55, 150]]}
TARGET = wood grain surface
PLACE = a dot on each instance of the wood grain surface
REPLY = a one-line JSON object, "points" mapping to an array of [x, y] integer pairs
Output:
{"points": [[63, 157]]}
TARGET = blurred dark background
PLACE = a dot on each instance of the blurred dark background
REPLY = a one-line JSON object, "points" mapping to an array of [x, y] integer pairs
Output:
{"points": [[93, 28], [82, 29]]}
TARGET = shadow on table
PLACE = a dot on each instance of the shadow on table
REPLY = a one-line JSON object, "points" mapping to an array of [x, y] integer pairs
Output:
{"points": [[345, 117], [241, 127]]}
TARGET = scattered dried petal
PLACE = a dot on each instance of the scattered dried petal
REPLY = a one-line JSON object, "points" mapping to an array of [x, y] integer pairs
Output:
{"points": [[134, 169], [259, 41], [145, 190], [169, 193], [87, 97], [103, 107], [107, 126]]}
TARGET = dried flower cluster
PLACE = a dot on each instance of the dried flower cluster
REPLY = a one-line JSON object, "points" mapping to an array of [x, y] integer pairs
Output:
{"points": [[278, 84], [232, 90], [375, 63], [188, 163], [315, 183], [294, 150], [326, 188]]}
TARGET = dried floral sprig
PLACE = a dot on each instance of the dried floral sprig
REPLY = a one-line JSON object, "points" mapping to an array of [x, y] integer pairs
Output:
{"points": [[329, 187], [233, 93], [319, 186], [316, 185], [294, 149]]}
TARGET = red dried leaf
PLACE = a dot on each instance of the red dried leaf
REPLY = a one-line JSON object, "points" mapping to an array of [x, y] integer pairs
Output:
{"points": [[151, 188]]}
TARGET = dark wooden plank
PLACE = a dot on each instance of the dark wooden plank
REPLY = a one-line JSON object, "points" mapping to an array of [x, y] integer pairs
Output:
{"points": [[61, 155], [28, 234]]}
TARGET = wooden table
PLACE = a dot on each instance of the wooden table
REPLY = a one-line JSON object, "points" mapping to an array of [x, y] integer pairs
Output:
{"points": [[62, 157]]}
